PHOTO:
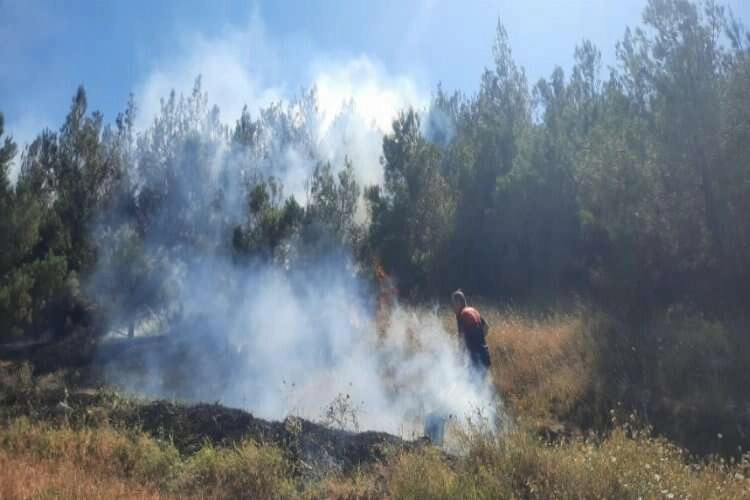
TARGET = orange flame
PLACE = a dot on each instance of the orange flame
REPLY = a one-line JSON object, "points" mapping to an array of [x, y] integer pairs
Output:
{"points": [[387, 295]]}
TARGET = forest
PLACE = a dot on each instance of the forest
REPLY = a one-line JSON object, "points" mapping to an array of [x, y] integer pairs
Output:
{"points": [[611, 200], [628, 185]]}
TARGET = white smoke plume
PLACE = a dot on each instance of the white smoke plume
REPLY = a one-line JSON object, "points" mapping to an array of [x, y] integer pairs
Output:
{"points": [[269, 338], [297, 342], [266, 338], [357, 98]]}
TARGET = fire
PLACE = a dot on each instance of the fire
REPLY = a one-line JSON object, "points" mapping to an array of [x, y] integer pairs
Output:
{"points": [[387, 295]]}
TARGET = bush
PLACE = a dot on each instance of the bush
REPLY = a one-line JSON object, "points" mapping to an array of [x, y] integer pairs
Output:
{"points": [[424, 473], [247, 470]]}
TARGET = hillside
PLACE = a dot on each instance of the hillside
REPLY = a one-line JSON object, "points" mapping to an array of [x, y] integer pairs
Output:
{"points": [[252, 260], [542, 365]]}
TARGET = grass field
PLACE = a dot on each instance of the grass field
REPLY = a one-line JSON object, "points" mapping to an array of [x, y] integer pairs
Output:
{"points": [[551, 369], [40, 461]]}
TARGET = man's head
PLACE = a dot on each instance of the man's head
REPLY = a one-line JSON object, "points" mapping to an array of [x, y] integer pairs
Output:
{"points": [[459, 300]]}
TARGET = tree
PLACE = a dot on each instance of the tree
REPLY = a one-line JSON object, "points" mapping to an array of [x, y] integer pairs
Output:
{"points": [[30, 286], [656, 173], [331, 205], [411, 215], [130, 283], [484, 251], [271, 223]]}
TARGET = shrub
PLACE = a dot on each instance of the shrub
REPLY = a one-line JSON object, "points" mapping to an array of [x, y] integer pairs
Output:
{"points": [[423, 473], [249, 470]]}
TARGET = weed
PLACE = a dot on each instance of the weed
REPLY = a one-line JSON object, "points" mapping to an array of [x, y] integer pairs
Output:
{"points": [[342, 414]]}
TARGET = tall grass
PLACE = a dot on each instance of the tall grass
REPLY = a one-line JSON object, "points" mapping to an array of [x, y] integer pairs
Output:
{"points": [[547, 367], [543, 366], [45, 462], [27, 477], [130, 459], [680, 372]]}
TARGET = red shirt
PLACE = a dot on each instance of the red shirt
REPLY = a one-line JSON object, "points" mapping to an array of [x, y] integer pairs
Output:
{"points": [[468, 319]]}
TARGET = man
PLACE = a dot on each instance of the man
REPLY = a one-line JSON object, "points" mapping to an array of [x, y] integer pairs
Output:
{"points": [[473, 329]]}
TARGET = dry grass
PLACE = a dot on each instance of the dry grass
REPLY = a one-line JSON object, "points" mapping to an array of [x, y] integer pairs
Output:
{"points": [[422, 474], [110, 463], [104, 450], [246, 470], [40, 461], [625, 464], [542, 366], [26, 477]]}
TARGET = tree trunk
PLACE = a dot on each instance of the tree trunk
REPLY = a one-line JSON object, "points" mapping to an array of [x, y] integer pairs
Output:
{"points": [[713, 219]]}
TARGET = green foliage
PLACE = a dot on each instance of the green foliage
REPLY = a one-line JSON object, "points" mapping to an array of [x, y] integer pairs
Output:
{"points": [[72, 174], [65, 183], [31, 284], [333, 199], [7, 153], [271, 222], [630, 187], [282, 231], [130, 282], [411, 214], [28, 294], [662, 208]]}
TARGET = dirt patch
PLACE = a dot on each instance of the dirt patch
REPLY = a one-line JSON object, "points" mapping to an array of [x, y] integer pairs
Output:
{"points": [[311, 444], [316, 449]]}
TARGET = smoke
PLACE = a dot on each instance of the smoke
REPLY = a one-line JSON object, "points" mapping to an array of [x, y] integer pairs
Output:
{"points": [[238, 67], [438, 127], [279, 336], [356, 97], [275, 336], [293, 343]]}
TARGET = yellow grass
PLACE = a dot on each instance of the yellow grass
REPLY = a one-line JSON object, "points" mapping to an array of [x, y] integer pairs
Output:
{"points": [[541, 366], [26, 477], [108, 463], [40, 461]]}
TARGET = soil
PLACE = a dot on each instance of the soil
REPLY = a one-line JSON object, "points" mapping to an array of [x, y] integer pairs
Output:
{"points": [[312, 445], [316, 450]]}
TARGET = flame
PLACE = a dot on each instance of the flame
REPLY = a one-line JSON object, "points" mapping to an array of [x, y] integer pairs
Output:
{"points": [[387, 295]]}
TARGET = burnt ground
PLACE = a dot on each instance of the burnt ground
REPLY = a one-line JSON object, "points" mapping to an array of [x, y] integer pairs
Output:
{"points": [[73, 392], [700, 429], [311, 445], [316, 449]]}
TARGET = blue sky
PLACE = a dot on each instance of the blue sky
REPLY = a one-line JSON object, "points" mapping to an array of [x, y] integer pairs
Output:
{"points": [[253, 52]]}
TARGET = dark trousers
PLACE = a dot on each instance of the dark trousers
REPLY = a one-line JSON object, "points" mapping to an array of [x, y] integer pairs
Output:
{"points": [[478, 352]]}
